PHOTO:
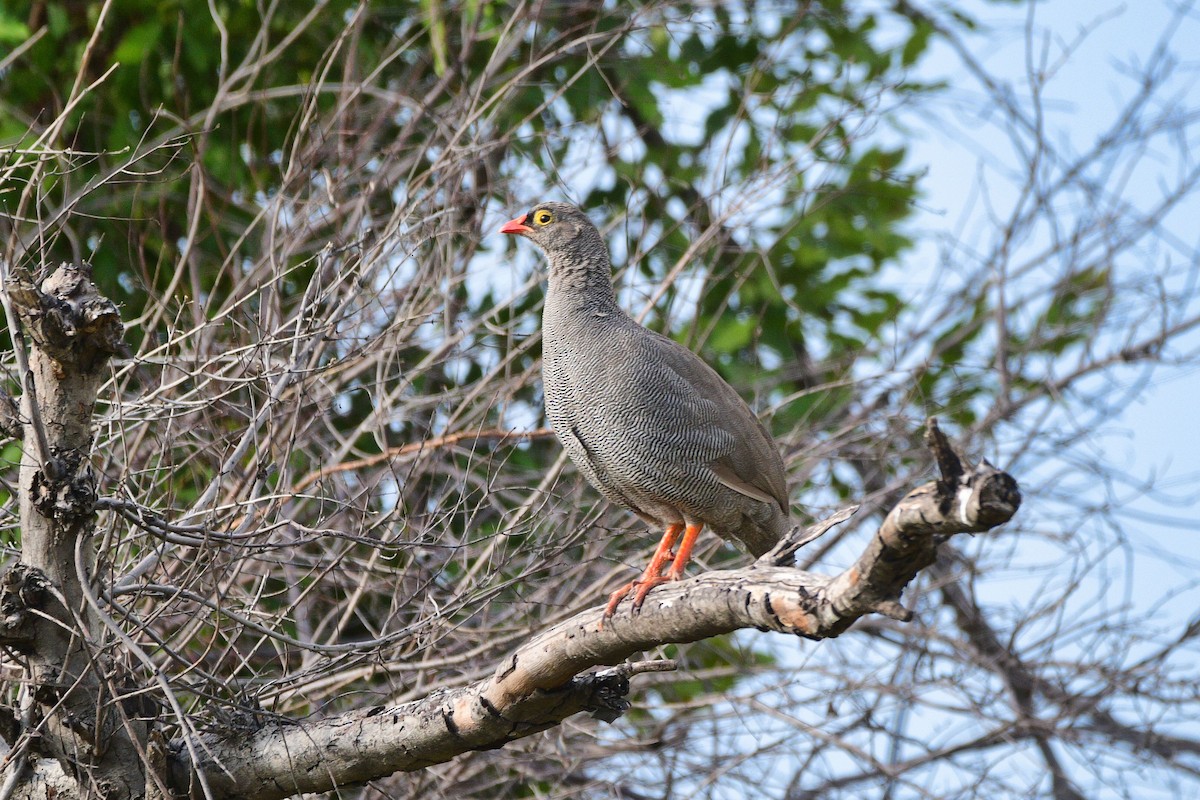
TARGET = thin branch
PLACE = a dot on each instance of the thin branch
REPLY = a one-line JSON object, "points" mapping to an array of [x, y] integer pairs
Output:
{"points": [[544, 680]]}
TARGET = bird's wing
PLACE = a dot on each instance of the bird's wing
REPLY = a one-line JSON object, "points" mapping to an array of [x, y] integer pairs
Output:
{"points": [[747, 460]]}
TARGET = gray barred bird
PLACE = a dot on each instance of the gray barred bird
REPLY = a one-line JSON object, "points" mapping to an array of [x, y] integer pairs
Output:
{"points": [[653, 427]]}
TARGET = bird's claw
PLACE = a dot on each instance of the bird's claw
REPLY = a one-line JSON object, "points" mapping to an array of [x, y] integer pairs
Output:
{"points": [[614, 600], [640, 588]]}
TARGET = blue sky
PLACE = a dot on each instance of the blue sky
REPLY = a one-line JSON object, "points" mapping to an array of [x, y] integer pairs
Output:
{"points": [[1147, 570], [1145, 460], [1108, 43]]}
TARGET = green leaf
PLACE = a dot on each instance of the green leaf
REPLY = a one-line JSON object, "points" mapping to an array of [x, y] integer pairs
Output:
{"points": [[732, 334], [435, 23], [637, 91], [12, 31], [58, 20], [917, 44], [137, 43]]}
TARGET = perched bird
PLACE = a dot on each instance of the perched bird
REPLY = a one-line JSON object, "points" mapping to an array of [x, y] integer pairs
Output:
{"points": [[653, 427]]}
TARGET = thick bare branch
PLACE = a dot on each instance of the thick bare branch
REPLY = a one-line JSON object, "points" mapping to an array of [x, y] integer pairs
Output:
{"points": [[541, 683]]}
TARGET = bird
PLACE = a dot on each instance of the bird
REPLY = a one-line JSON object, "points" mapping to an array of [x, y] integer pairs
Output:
{"points": [[652, 426]]}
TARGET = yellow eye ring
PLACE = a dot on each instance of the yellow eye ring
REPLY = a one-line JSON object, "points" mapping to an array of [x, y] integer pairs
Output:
{"points": [[542, 217]]}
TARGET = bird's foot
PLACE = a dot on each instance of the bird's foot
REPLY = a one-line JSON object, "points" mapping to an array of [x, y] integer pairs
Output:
{"points": [[675, 573], [640, 588], [614, 600]]}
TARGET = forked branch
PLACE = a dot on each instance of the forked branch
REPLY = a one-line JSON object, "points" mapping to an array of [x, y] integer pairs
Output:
{"points": [[548, 679]]}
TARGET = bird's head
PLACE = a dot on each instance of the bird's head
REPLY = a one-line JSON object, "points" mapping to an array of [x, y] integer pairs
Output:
{"points": [[556, 228]]}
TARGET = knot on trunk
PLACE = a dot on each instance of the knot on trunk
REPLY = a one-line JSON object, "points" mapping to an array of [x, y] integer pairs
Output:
{"points": [[68, 318], [66, 490], [22, 589]]}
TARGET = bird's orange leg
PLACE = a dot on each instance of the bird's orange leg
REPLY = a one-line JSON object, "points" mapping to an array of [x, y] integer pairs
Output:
{"points": [[681, 557], [652, 576], [685, 552]]}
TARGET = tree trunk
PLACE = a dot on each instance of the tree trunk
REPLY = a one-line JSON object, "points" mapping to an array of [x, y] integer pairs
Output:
{"points": [[75, 678]]}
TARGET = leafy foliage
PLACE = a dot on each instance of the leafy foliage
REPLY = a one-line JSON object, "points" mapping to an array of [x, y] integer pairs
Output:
{"points": [[312, 485]]}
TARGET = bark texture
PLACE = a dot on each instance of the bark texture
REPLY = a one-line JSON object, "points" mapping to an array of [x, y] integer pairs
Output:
{"points": [[75, 682]]}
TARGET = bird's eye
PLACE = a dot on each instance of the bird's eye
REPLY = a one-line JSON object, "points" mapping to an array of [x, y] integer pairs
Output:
{"points": [[542, 217]]}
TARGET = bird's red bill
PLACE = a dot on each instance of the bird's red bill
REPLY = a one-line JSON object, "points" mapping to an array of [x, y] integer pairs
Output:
{"points": [[516, 226]]}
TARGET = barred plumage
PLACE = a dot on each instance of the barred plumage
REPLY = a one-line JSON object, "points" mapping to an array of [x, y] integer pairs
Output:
{"points": [[649, 424]]}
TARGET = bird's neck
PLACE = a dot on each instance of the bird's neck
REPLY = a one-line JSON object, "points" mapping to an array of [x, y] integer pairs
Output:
{"points": [[582, 284]]}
